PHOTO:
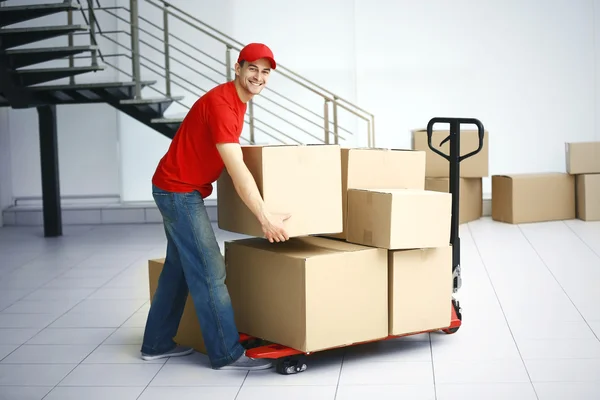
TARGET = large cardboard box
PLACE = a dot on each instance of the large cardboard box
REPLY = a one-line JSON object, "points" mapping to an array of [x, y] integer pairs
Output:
{"points": [[583, 158], [470, 196], [399, 218], [305, 181], [523, 198], [420, 287], [364, 168], [476, 166], [308, 293], [189, 332], [588, 197]]}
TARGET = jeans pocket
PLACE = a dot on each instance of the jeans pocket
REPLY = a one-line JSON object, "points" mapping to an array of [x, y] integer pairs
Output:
{"points": [[166, 205]]}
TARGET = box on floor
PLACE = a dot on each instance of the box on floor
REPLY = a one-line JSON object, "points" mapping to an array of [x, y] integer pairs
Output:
{"points": [[470, 196], [524, 198], [588, 197]]}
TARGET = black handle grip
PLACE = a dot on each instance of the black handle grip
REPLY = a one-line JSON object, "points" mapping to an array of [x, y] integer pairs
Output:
{"points": [[457, 122]]}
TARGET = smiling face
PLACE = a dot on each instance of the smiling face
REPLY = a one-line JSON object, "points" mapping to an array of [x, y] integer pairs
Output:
{"points": [[251, 77]]}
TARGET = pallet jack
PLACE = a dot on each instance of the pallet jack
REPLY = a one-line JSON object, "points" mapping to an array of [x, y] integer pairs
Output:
{"points": [[291, 361]]}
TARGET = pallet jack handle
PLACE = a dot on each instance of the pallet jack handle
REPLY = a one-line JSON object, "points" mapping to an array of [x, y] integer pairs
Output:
{"points": [[454, 183]]}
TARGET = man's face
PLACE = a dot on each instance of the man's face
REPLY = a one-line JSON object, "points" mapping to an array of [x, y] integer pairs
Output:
{"points": [[253, 76]]}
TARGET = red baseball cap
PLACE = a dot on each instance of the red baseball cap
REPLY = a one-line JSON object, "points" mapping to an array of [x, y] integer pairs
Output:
{"points": [[255, 51]]}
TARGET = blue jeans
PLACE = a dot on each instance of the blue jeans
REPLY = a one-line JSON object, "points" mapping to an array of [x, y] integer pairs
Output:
{"points": [[193, 262]]}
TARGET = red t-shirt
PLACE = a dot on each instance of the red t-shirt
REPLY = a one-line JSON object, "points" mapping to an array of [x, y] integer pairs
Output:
{"points": [[192, 161]]}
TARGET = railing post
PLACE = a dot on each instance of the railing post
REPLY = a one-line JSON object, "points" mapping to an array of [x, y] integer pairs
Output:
{"points": [[166, 43], [372, 132], [326, 120], [335, 121], [228, 63], [135, 47], [71, 58], [92, 31], [251, 112]]}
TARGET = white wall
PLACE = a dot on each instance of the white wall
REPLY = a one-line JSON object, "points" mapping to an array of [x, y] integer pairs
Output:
{"points": [[526, 69]]}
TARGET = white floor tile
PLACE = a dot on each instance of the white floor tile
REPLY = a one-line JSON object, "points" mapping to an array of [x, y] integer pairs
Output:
{"points": [[137, 375], [6, 349], [568, 390], [563, 370], [489, 371], [387, 373], [46, 354], [559, 348], [17, 335], [196, 375], [24, 392], [286, 392], [118, 354], [386, 392], [40, 307], [487, 391], [94, 393], [33, 374], [190, 393], [126, 336], [26, 320], [80, 336]]}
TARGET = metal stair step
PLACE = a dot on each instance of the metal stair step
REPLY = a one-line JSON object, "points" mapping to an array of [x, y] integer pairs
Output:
{"points": [[90, 86], [20, 58], [170, 120], [35, 76], [150, 100], [13, 37], [14, 14]]}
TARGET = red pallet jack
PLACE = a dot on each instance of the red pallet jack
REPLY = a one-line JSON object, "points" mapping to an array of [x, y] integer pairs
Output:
{"points": [[290, 361]]}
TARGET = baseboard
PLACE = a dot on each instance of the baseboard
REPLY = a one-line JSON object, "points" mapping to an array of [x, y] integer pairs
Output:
{"points": [[121, 213]]}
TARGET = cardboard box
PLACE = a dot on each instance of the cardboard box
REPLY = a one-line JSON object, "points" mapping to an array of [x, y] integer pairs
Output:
{"points": [[476, 166], [308, 293], [364, 168], [305, 181], [189, 332], [523, 198], [399, 218], [583, 158], [470, 200], [588, 197], [420, 287]]}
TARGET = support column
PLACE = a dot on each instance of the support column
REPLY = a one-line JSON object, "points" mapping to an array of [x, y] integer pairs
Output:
{"points": [[50, 176]]}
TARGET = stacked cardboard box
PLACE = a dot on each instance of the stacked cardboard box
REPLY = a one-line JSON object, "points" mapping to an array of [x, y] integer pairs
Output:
{"points": [[472, 169], [583, 162], [369, 253], [373, 258]]}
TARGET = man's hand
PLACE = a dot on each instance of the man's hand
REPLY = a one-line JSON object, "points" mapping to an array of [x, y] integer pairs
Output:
{"points": [[273, 227], [245, 186]]}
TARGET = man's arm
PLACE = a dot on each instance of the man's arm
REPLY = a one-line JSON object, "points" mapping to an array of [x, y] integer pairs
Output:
{"points": [[243, 181], [245, 186]]}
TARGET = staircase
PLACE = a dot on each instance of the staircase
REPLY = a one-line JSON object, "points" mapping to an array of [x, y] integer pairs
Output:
{"points": [[149, 47]]}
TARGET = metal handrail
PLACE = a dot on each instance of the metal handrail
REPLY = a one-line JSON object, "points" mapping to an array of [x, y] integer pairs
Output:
{"points": [[231, 44]]}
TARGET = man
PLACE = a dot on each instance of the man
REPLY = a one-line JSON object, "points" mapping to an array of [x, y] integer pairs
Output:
{"points": [[206, 142]]}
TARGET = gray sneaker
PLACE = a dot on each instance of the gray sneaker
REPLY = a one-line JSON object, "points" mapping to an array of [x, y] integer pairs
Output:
{"points": [[176, 352], [249, 364]]}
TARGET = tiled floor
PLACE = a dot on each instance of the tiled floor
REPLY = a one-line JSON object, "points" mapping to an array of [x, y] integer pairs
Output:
{"points": [[72, 311]]}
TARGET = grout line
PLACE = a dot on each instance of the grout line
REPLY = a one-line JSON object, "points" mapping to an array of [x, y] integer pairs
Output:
{"points": [[580, 238], [337, 386], [558, 282], [432, 365], [501, 308], [242, 385]]}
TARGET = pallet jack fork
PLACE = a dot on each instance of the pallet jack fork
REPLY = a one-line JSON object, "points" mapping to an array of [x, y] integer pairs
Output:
{"points": [[291, 361]]}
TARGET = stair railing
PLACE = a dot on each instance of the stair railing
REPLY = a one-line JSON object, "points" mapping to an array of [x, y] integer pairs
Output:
{"points": [[307, 118]]}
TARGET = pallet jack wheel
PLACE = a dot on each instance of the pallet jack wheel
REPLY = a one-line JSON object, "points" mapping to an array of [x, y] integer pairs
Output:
{"points": [[457, 310], [289, 366]]}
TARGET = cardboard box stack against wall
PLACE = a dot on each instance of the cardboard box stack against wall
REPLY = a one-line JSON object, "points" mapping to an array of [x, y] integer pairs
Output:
{"points": [[553, 196], [369, 253], [472, 169]]}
